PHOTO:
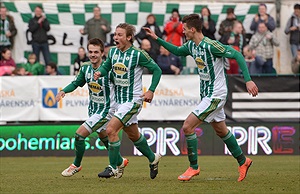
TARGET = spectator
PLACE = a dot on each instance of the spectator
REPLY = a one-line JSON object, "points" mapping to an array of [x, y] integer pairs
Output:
{"points": [[6, 59], [146, 46], [263, 41], [20, 71], [7, 64], [293, 28], [174, 29], [151, 23], [254, 62], [81, 58], [168, 62], [107, 46], [7, 30], [237, 40], [39, 26], [51, 69], [33, 66], [209, 25], [296, 63], [262, 17], [96, 27], [227, 24]]}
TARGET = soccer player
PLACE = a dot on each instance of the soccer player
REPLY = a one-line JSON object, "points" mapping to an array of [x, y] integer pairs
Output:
{"points": [[101, 106], [209, 56], [127, 63]]}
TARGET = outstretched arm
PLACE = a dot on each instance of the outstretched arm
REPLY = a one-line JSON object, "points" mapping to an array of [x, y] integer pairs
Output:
{"points": [[229, 52], [179, 51], [79, 81]]}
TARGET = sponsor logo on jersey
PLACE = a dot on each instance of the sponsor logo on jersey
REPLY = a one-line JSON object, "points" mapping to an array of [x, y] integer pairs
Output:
{"points": [[121, 82], [204, 76], [95, 87], [200, 63], [115, 57], [127, 58], [120, 68], [98, 99]]}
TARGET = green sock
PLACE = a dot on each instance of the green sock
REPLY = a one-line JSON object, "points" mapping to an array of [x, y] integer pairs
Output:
{"points": [[234, 148], [142, 145], [105, 142], [114, 153], [79, 149], [192, 146]]}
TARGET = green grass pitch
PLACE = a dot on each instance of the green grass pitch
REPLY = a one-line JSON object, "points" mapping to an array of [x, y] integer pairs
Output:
{"points": [[268, 174]]}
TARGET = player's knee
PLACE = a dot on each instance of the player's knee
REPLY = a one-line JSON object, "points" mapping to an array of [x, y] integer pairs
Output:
{"points": [[187, 129], [111, 131], [79, 137]]}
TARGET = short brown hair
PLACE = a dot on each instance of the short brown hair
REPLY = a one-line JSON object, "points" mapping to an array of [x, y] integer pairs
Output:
{"points": [[130, 30], [193, 20], [97, 42]]}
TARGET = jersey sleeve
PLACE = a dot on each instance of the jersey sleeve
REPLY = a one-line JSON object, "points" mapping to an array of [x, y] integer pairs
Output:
{"points": [[179, 51], [227, 51], [146, 61], [79, 81]]}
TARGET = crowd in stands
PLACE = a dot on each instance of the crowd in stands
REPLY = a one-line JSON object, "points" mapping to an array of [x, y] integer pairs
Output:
{"points": [[258, 48]]}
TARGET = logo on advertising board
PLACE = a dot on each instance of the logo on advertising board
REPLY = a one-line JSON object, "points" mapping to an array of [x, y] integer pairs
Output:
{"points": [[48, 98]]}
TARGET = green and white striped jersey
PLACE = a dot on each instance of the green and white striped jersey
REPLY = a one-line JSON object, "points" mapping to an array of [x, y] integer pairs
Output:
{"points": [[127, 68], [101, 93], [210, 56]]}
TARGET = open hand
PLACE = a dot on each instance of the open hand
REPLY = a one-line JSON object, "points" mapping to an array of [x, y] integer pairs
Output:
{"points": [[149, 32], [60, 95], [252, 88]]}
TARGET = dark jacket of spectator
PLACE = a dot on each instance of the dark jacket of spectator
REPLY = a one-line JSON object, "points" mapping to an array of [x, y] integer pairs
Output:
{"points": [[142, 35], [12, 28], [210, 31], [294, 35], [39, 32], [165, 62], [78, 62]]}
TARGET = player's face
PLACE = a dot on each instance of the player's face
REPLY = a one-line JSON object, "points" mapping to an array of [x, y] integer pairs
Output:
{"points": [[188, 32], [95, 54], [122, 42]]}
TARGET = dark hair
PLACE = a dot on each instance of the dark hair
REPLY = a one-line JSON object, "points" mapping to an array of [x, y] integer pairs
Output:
{"points": [[39, 6], [130, 30], [97, 42], [230, 10], [263, 4], [152, 15], [193, 20], [297, 6], [81, 47], [52, 65], [176, 10], [4, 50], [97, 7], [209, 13]]}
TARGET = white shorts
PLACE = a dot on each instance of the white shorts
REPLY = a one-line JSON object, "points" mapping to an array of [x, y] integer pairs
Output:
{"points": [[127, 113], [98, 122], [210, 109]]}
